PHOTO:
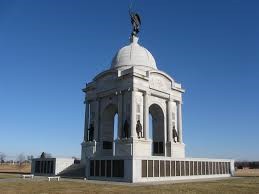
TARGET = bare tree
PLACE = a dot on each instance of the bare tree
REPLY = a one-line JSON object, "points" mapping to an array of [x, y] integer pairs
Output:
{"points": [[48, 155], [21, 158], [2, 157], [30, 157]]}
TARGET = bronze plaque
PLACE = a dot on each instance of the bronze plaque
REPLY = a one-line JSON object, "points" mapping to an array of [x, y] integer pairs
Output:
{"points": [[191, 168], [178, 168], [102, 167], [108, 168], [217, 167], [199, 168], [37, 167], [206, 168], [118, 168], [162, 168], [210, 167], [203, 168], [172, 168], [91, 167], [187, 168], [228, 167], [150, 168], [195, 167], [156, 168], [144, 168], [97, 168]]}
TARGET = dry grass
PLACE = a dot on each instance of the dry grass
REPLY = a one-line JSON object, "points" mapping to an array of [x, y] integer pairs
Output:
{"points": [[247, 172], [235, 186], [24, 168], [6, 176]]}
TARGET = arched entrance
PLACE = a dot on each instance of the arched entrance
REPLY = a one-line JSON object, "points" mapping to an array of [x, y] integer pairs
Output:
{"points": [[157, 129], [109, 125]]}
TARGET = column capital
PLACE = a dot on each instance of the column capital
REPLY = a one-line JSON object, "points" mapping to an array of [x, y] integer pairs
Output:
{"points": [[145, 92], [178, 102], [169, 101]]}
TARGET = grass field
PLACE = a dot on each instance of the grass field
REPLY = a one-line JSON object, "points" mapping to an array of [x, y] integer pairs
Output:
{"points": [[237, 185], [7, 176]]}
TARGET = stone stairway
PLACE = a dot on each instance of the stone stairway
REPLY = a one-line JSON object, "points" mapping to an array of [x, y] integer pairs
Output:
{"points": [[74, 171]]}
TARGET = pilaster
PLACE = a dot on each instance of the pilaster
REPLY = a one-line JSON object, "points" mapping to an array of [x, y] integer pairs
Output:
{"points": [[133, 122], [179, 121], [146, 116], [86, 120]]}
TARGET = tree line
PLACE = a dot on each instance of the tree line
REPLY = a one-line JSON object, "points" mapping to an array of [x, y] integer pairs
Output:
{"points": [[247, 164], [21, 158]]}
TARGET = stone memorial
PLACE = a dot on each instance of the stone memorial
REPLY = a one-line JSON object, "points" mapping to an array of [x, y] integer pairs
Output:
{"points": [[135, 91]]}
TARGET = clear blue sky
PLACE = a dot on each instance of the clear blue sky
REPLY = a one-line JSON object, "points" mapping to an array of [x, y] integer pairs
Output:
{"points": [[49, 49]]}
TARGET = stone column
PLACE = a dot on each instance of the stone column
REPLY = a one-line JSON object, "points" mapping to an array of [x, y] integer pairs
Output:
{"points": [[133, 122], [96, 120], [120, 115], [86, 119], [165, 135], [169, 120], [146, 117], [179, 121]]}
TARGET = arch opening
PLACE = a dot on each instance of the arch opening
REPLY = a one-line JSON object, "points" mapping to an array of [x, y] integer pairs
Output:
{"points": [[109, 128], [156, 128]]}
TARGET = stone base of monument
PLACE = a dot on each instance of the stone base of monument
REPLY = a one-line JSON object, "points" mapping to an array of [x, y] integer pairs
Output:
{"points": [[155, 168]]}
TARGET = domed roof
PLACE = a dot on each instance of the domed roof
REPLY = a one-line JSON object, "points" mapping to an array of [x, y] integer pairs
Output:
{"points": [[133, 55]]}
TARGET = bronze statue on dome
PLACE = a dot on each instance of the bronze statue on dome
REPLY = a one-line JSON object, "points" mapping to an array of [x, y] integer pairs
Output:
{"points": [[135, 21]]}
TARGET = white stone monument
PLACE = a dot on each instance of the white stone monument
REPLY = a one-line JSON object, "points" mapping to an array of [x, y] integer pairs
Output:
{"points": [[131, 90]]}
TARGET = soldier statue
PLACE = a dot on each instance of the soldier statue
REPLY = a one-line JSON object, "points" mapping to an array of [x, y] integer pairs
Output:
{"points": [[91, 132], [175, 135], [139, 129], [43, 155], [126, 129]]}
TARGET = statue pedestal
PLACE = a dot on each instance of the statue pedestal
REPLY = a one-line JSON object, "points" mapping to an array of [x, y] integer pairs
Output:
{"points": [[123, 147], [88, 150], [175, 150], [133, 147], [142, 147]]}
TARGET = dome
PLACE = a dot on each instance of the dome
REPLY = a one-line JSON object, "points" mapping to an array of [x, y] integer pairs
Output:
{"points": [[133, 55]]}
